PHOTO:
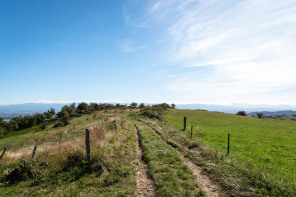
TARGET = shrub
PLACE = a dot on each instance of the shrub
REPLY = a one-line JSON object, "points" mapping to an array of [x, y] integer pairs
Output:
{"points": [[43, 126], [59, 124], [142, 105], [151, 114], [133, 105], [82, 107], [241, 113], [259, 115], [25, 169], [66, 119]]}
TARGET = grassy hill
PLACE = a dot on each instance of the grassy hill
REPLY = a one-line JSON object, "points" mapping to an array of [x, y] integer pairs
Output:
{"points": [[261, 161], [262, 147]]}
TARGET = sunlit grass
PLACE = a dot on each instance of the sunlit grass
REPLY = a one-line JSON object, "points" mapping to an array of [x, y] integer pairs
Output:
{"points": [[111, 171], [264, 145]]}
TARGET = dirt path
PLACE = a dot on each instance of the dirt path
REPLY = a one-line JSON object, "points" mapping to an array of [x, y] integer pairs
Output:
{"points": [[145, 186], [205, 184], [203, 181]]}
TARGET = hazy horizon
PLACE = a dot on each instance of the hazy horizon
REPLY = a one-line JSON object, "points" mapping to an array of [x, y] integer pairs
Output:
{"points": [[218, 107]]}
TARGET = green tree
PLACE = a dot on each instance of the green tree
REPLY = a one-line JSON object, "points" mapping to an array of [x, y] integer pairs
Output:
{"points": [[133, 105], [82, 107], [49, 114], [73, 106], [259, 115], [94, 106], [142, 105], [2, 127], [66, 119], [241, 113]]}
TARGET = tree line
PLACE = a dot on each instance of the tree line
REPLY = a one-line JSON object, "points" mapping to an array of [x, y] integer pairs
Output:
{"points": [[63, 117]]}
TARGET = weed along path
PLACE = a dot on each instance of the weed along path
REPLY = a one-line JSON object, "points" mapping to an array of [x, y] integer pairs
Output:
{"points": [[205, 184], [145, 186]]}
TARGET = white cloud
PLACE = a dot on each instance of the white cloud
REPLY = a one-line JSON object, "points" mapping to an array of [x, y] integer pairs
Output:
{"points": [[250, 44]]}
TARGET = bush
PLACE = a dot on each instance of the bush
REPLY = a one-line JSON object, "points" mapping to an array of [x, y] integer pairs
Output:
{"points": [[241, 113], [43, 126], [25, 169], [142, 105], [151, 114], [82, 107], [59, 124], [133, 105], [66, 119], [259, 115]]}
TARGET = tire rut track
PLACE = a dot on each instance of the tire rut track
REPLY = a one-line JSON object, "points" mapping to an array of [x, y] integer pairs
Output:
{"points": [[204, 182], [145, 185]]}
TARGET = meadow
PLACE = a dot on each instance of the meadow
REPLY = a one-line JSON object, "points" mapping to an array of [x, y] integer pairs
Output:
{"points": [[261, 160], [262, 147], [61, 169]]}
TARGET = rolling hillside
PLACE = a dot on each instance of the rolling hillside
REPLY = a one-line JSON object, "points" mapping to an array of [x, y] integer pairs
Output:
{"points": [[133, 155]]}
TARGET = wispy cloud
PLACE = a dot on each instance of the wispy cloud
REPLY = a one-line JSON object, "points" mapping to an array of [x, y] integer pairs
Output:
{"points": [[250, 44], [128, 46]]}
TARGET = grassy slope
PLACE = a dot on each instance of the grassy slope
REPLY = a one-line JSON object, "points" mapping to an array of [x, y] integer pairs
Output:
{"points": [[112, 171], [260, 145], [265, 145], [27, 137]]}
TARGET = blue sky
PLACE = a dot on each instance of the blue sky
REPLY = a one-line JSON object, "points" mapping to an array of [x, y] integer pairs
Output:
{"points": [[189, 51]]}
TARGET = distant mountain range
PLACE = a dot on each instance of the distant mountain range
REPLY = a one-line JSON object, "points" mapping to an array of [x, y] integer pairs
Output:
{"points": [[8, 111], [30, 108], [234, 108], [277, 113]]}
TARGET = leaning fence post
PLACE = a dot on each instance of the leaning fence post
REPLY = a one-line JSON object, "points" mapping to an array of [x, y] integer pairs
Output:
{"points": [[191, 131], [87, 145], [34, 151], [228, 144], [184, 124], [4, 150]]}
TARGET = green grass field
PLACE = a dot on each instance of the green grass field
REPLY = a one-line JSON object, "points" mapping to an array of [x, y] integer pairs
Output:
{"points": [[261, 161], [263, 145]]}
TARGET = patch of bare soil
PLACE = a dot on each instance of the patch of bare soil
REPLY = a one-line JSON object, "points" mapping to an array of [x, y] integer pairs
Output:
{"points": [[145, 186], [204, 182]]}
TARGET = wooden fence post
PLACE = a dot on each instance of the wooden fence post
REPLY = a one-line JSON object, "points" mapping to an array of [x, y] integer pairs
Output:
{"points": [[4, 150], [191, 131], [184, 124], [228, 144], [60, 143], [87, 145], [34, 151]]}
